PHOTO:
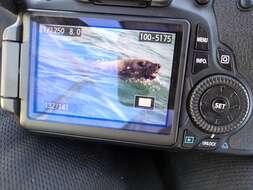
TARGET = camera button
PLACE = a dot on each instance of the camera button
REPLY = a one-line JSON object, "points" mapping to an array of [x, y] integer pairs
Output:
{"points": [[225, 58], [200, 62], [202, 39]]}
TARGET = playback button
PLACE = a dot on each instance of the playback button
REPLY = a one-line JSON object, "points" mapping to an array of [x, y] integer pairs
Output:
{"points": [[200, 62], [189, 140]]}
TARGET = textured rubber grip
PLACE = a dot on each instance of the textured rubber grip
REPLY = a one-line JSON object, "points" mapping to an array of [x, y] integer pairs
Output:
{"points": [[235, 29]]}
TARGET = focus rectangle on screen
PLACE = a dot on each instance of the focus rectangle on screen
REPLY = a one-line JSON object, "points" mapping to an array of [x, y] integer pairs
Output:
{"points": [[145, 102], [91, 74]]}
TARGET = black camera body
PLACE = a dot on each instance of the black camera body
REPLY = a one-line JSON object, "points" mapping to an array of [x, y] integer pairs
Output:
{"points": [[210, 95]]}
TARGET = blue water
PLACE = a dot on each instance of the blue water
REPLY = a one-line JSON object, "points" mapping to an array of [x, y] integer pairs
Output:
{"points": [[67, 74]]}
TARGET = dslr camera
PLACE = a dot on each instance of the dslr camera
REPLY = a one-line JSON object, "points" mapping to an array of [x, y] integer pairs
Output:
{"points": [[146, 73]]}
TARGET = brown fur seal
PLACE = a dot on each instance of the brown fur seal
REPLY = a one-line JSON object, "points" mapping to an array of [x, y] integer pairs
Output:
{"points": [[132, 68]]}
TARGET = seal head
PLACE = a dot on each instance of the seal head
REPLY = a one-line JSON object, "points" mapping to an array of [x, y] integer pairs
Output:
{"points": [[138, 69]]}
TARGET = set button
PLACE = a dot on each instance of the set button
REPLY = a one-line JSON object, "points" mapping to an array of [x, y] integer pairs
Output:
{"points": [[220, 105]]}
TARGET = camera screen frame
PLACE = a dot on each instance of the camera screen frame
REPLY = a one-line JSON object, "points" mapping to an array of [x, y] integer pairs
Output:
{"points": [[108, 134]]}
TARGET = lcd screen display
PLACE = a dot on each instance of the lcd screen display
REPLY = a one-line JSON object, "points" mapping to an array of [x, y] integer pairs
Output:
{"points": [[103, 73]]}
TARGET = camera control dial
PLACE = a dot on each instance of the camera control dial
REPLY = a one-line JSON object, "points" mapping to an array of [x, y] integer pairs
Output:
{"points": [[219, 104]]}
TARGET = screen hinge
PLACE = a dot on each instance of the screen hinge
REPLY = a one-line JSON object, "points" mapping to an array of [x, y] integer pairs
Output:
{"points": [[9, 89]]}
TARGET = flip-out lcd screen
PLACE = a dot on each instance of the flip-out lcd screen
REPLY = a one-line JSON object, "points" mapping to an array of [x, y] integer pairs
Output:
{"points": [[103, 73]]}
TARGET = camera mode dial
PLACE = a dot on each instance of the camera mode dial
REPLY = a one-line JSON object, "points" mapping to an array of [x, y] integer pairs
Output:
{"points": [[219, 104]]}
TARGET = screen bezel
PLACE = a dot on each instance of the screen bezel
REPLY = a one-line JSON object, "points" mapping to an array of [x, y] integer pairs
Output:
{"points": [[107, 133], [124, 25]]}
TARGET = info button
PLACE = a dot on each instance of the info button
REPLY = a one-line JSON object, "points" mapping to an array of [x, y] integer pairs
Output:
{"points": [[200, 62]]}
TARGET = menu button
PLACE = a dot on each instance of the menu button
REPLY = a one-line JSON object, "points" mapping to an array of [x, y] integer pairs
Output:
{"points": [[202, 39]]}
